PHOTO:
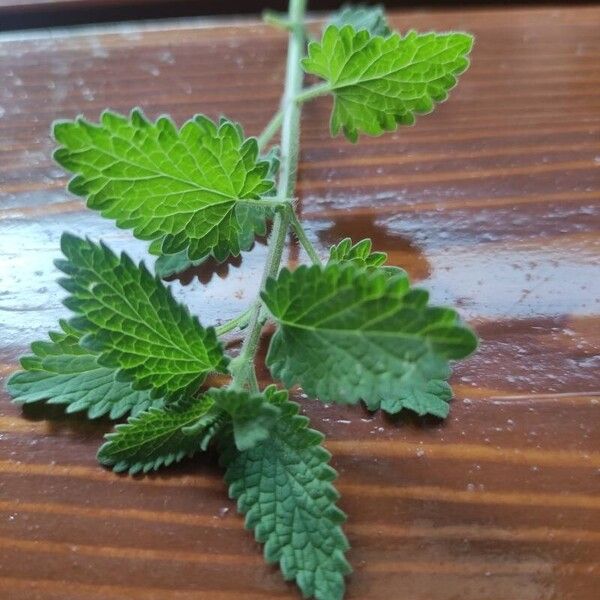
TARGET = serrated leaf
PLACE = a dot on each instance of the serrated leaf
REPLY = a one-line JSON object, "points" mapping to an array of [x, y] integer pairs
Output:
{"points": [[284, 486], [196, 189], [360, 254], [347, 333], [156, 438], [62, 372], [253, 416], [171, 264], [360, 17], [130, 318], [380, 82]]}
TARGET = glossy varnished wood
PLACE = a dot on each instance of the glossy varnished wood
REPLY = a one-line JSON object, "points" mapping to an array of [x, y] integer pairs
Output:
{"points": [[491, 203]]}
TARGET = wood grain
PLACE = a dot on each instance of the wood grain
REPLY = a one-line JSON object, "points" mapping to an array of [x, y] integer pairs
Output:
{"points": [[491, 202], [26, 14]]}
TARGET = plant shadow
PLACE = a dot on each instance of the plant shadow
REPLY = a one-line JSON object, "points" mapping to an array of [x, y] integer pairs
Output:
{"points": [[211, 267], [58, 421]]}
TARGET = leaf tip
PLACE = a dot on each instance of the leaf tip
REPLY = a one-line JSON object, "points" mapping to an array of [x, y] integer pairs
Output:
{"points": [[69, 243]]}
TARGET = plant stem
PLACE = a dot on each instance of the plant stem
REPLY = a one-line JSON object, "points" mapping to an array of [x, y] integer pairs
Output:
{"points": [[271, 17], [290, 138], [270, 130], [302, 237], [320, 89], [290, 131], [274, 124], [273, 201], [241, 319]]}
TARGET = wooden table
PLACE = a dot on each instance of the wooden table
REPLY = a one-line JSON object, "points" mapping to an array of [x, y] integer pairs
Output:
{"points": [[492, 203], [21, 14]]}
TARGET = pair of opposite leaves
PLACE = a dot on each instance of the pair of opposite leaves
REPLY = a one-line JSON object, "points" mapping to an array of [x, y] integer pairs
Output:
{"points": [[352, 329], [130, 332], [132, 346], [202, 189], [197, 190]]}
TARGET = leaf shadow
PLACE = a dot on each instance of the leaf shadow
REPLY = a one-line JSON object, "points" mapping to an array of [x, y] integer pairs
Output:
{"points": [[211, 267], [410, 419], [403, 252], [58, 421]]}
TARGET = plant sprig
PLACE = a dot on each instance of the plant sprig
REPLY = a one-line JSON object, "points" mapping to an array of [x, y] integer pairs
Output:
{"points": [[348, 328]]}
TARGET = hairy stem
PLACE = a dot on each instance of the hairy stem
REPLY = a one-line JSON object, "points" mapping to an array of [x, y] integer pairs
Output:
{"points": [[239, 321], [245, 374], [270, 130], [314, 91], [273, 202], [273, 126], [302, 237]]}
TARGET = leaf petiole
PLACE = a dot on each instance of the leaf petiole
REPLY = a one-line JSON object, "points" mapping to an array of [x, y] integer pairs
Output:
{"points": [[274, 124], [240, 321], [314, 91], [302, 237], [270, 130], [274, 202]]}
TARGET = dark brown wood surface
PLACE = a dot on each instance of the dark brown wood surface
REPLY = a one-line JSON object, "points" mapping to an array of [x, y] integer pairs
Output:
{"points": [[25, 14], [492, 203]]}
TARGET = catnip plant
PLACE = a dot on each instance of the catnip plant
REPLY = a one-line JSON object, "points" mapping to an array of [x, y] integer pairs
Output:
{"points": [[348, 328]]}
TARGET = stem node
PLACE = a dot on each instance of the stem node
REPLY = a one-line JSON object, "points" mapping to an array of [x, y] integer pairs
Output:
{"points": [[245, 374]]}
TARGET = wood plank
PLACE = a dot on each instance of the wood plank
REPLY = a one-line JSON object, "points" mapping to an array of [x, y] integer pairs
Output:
{"points": [[26, 14], [492, 203]]}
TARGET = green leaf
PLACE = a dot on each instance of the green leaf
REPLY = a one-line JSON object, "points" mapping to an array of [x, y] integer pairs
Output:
{"points": [[197, 189], [273, 158], [360, 254], [379, 82], [347, 333], [171, 264], [253, 415], [284, 486], [130, 318], [156, 438], [360, 17], [62, 372]]}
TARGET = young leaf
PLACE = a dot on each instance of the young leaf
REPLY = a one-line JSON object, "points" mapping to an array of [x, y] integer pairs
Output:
{"points": [[252, 415], [369, 18], [156, 438], [348, 333], [62, 372], [284, 486], [197, 189], [130, 318], [379, 82], [360, 254]]}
